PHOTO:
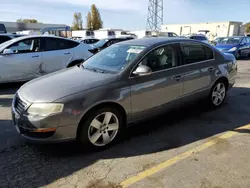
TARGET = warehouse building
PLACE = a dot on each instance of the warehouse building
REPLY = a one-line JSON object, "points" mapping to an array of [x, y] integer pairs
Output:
{"points": [[13, 27], [216, 29]]}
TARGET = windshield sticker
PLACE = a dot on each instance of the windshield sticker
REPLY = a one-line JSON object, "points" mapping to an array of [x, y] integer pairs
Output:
{"points": [[135, 50]]}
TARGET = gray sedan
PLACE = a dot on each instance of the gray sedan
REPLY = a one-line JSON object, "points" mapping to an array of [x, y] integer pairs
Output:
{"points": [[123, 84]]}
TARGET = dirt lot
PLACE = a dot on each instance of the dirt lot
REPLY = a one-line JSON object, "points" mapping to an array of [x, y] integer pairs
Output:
{"points": [[199, 148]]}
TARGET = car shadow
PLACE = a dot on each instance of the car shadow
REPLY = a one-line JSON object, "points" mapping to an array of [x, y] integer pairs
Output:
{"points": [[44, 164]]}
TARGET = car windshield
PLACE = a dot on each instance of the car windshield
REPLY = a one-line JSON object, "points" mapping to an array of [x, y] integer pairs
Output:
{"points": [[113, 59], [231, 40], [100, 43], [5, 44]]}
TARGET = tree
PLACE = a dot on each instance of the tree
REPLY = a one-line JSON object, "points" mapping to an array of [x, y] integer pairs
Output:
{"points": [[96, 18], [247, 28], [27, 21], [89, 21], [77, 22]]}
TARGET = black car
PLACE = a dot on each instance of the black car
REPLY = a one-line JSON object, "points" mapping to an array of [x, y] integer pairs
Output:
{"points": [[89, 41], [104, 43]]}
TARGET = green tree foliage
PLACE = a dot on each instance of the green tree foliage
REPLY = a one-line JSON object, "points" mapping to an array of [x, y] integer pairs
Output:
{"points": [[94, 21], [247, 29], [89, 21], [77, 22], [27, 21]]}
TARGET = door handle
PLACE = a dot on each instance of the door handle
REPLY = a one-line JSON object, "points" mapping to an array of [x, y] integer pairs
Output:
{"points": [[211, 69], [177, 78], [67, 53], [34, 56]]}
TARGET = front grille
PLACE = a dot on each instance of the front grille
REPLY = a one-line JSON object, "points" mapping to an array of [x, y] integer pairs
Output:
{"points": [[19, 105]]}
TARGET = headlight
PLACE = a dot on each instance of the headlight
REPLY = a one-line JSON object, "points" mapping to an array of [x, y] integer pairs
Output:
{"points": [[45, 109], [232, 49]]}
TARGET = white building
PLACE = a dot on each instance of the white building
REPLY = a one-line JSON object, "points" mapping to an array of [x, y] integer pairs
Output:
{"points": [[13, 27], [217, 29]]}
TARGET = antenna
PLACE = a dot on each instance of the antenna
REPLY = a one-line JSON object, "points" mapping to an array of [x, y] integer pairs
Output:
{"points": [[155, 15]]}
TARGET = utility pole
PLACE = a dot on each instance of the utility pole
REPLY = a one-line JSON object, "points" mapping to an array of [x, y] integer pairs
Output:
{"points": [[155, 15]]}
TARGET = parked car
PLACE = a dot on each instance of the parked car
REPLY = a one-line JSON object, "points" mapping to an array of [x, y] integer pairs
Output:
{"points": [[123, 84], [167, 34], [89, 41], [217, 40], [2, 28], [28, 57], [238, 46], [6, 37], [104, 43], [199, 37]]}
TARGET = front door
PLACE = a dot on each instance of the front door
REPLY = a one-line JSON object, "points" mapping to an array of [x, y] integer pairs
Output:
{"points": [[56, 54], [151, 94], [23, 64]]}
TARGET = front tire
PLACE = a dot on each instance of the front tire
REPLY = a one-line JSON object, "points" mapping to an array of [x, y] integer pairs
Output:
{"points": [[101, 128], [238, 55], [218, 94]]}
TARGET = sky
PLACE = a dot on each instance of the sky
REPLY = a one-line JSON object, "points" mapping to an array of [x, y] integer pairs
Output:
{"points": [[126, 14]]}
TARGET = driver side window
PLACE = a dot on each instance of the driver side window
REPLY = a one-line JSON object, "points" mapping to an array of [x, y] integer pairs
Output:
{"points": [[244, 41], [162, 58], [26, 46]]}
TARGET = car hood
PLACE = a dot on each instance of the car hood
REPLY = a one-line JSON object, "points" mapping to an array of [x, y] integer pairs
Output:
{"points": [[63, 83], [225, 46]]}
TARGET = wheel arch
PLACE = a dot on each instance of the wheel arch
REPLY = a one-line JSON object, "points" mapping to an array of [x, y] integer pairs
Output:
{"points": [[101, 105], [224, 79]]}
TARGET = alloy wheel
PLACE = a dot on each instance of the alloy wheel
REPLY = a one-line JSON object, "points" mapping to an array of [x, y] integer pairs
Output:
{"points": [[103, 129], [218, 94]]}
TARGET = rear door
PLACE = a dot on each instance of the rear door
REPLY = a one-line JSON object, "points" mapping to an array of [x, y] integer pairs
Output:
{"points": [[198, 66], [24, 63], [57, 54]]}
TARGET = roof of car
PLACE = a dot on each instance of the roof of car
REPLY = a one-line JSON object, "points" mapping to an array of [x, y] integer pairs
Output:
{"points": [[6, 34], [41, 36], [153, 41]]}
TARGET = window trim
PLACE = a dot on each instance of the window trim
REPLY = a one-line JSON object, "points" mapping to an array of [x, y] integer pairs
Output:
{"points": [[132, 77]]}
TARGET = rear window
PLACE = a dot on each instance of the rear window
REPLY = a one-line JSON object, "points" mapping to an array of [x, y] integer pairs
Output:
{"points": [[194, 52]]}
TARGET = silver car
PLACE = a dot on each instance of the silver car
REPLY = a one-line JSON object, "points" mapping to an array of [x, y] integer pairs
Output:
{"points": [[130, 81]]}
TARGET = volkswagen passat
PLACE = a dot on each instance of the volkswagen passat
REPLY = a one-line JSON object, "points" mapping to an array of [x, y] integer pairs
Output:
{"points": [[125, 83]]}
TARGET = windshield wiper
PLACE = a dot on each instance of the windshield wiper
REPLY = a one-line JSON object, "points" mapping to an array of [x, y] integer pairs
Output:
{"points": [[93, 69]]}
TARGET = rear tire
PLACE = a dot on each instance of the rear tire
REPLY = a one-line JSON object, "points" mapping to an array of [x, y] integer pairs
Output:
{"points": [[101, 128], [218, 94]]}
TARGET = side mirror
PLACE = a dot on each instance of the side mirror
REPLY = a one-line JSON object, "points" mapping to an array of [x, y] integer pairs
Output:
{"points": [[142, 70], [8, 51]]}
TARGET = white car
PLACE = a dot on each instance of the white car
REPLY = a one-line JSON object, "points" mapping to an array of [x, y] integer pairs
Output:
{"points": [[28, 57]]}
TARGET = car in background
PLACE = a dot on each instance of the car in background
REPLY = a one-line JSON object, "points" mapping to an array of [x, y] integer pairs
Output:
{"points": [[89, 41], [104, 43], [76, 38], [28, 57], [199, 37], [238, 46], [124, 83], [2, 28], [6, 37], [217, 40], [167, 34]]}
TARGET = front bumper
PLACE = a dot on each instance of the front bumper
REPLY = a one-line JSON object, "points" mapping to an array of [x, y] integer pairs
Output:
{"points": [[42, 130]]}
